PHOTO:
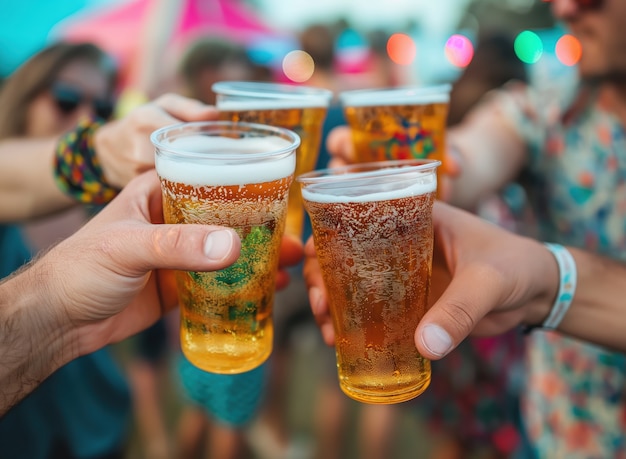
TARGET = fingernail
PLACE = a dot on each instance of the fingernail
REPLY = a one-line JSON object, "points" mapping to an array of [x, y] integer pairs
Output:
{"points": [[218, 244], [436, 340]]}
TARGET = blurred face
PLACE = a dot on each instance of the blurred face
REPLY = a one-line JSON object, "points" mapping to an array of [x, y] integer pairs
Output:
{"points": [[80, 89], [599, 25], [230, 70]]}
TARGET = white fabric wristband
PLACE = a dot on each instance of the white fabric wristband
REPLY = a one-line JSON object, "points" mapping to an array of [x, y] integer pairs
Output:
{"points": [[567, 285]]}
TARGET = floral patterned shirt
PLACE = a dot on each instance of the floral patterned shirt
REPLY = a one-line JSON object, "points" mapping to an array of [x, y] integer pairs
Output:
{"points": [[575, 403]]}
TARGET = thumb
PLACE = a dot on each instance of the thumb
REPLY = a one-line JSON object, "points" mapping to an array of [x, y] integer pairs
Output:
{"points": [[469, 297], [187, 247], [339, 145]]}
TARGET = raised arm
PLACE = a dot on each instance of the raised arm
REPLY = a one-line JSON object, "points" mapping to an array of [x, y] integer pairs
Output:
{"points": [[27, 185]]}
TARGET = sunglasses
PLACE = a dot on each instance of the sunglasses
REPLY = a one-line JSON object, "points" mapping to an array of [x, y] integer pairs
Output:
{"points": [[585, 4], [69, 98]]}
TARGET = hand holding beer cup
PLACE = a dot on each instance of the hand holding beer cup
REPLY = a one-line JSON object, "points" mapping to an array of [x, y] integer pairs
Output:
{"points": [[236, 175], [123, 145], [301, 109], [373, 235]]}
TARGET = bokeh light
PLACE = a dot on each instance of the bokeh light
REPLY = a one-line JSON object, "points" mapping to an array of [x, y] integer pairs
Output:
{"points": [[528, 47], [298, 66], [568, 50], [401, 49], [459, 50]]}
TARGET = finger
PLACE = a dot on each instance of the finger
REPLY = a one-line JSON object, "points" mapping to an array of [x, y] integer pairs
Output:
{"points": [[339, 144], [317, 293], [451, 170], [282, 279], [291, 251], [181, 247], [337, 162], [186, 109], [472, 293], [319, 308]]}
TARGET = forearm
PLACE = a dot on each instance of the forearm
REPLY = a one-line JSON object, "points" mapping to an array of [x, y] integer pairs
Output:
{"points": [[27, 186], [155, 38], [34, 338], [489, 153], [598, 311]]}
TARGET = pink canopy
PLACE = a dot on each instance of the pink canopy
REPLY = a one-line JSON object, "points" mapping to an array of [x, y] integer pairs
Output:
{"points": [[118, 29]]}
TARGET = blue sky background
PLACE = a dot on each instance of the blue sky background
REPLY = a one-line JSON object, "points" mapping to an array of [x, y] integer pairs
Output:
{"points": [[25, 25]]}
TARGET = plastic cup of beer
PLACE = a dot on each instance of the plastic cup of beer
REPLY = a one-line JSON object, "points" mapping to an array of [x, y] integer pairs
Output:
{"points": [[301, 109], [398, 123], [236, 175], [373, 234]]}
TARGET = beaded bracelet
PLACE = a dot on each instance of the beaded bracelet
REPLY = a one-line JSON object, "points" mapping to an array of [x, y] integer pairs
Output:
{"points": [[77, 170], [567, 285]]}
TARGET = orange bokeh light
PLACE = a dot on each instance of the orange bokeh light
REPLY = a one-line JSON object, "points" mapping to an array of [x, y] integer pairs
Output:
{"points": [[568, 50], [401, 49]]}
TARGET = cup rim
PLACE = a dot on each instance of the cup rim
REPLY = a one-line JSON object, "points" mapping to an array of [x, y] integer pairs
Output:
{"points": [[401, 95], [195, 128], [266, 90], [372, 170]]}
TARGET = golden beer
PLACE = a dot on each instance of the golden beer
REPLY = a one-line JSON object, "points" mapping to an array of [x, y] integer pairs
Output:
{"points": [[374, 241], [217, 179], [398, 124], [297, 108]]}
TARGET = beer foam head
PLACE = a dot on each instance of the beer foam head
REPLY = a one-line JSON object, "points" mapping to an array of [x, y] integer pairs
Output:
{"points": [[239, 105], [396, 96], [215, 161], [372, 188], [255, 95]]}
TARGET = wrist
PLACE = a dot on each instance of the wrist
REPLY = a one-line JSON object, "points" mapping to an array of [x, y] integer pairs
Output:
{"points": [[77, 169], [101, 144], [39, 303], [36, 338], [545, 278]]}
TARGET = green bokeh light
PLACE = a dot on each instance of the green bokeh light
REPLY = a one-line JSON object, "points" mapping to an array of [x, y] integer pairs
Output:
{"points": [[528, 47]]}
